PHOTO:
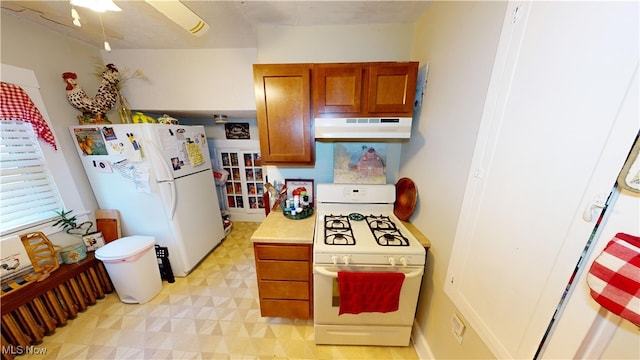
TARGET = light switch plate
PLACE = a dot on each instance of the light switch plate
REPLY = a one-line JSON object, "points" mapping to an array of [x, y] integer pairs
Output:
{"points": [[457, 327]]}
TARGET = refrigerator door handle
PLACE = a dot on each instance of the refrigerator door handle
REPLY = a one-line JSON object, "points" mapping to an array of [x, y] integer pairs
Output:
{"points": [[166, 177], [172, 187]]}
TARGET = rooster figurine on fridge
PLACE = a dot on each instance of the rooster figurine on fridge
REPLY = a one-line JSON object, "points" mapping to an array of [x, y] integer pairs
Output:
{"points": [[94, 110]]}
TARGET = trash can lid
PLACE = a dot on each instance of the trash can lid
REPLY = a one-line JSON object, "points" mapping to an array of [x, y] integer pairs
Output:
{"points": [[125, 247]]}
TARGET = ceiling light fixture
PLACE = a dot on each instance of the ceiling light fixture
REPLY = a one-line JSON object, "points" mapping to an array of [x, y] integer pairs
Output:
{"points": [[97, 5], [219, 119], [75, 16], [181, 15]]}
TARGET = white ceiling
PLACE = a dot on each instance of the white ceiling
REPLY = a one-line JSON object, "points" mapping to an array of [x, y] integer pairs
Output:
{"points": [[232, 23]]}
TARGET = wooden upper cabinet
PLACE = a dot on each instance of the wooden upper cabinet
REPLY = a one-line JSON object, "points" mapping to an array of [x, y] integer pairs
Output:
{"points": [[337, 88], [364, 89], [392, 88], [283, 109]]}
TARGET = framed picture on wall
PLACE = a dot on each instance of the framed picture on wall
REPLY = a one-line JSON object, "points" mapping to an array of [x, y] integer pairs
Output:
{"points": [[302, 185], [237, 131], [360, 163]]}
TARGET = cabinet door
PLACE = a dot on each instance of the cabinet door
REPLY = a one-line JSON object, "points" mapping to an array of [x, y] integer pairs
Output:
{"points": [[392, 88], [337, 89], [283, 107]]}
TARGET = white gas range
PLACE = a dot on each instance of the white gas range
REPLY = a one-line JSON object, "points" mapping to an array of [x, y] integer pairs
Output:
{"points": [[357, 234]]}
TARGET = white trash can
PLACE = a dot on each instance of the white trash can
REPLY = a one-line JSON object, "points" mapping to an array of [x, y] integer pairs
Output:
{"points": [[133, 268]]}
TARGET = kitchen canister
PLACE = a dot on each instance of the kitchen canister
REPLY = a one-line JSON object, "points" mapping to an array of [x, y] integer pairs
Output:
{"points": [[73, 253]]}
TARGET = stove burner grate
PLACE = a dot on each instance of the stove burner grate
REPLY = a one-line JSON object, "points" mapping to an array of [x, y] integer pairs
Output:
{"points": [[337, 230], [385, 231]]}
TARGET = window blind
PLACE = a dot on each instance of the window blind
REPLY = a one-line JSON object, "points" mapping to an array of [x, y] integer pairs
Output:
{"points": [[28, 194]]}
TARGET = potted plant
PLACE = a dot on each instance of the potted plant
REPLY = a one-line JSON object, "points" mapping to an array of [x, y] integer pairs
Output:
{"points": [[70, 224], [91, 239]]}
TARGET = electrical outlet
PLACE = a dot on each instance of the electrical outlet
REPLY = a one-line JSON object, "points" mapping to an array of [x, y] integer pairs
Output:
{"points": [[457, 327]]}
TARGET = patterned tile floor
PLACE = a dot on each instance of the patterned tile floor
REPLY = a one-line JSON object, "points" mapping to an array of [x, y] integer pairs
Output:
{"points": [[211, 314]]}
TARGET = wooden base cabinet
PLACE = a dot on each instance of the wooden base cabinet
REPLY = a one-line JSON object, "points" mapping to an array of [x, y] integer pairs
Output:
{"points": [[285, 281]]}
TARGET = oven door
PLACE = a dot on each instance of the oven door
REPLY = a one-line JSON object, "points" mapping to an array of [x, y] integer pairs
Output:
{"points": [[326, 296]]}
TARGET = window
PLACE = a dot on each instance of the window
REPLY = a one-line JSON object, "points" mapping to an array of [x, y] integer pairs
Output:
{"points": [[15, 215], [28, 194]]}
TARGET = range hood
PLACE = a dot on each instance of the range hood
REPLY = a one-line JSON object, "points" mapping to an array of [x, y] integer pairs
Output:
{"points": [[363, 128]]}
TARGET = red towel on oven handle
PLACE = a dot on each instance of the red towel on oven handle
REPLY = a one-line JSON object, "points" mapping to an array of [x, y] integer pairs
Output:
{"points": [[614, 277], [369, 291]]}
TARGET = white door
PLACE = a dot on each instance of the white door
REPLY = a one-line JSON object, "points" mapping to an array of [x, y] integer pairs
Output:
{"points": [[584, 330], [554, 135]]}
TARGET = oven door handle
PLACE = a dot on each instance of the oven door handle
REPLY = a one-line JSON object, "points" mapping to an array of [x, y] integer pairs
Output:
{"points": [[334, 274]]}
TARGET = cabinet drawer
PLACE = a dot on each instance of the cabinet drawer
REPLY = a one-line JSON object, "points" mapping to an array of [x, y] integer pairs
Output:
{"points": [[298, 309], [295, 290], [282, 270], [282, 252]]}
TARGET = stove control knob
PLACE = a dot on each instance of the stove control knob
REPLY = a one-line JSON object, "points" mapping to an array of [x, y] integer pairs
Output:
{"points": [[392, 261], [403, 261], [346, 259], [334, 260]]}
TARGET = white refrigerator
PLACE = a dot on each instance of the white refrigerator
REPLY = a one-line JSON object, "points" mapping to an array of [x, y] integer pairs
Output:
{"points": [[160, 179]]}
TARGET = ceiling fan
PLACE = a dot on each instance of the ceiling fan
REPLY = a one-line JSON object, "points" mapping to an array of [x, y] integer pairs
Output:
{"points": [[174, 10], [177, 12]]}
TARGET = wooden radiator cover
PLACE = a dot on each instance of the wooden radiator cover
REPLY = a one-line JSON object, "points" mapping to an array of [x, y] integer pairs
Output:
{"points": [[35, 311]]}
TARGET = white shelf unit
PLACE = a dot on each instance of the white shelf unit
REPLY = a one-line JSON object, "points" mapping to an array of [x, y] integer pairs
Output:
{"points": [[243, 192]]}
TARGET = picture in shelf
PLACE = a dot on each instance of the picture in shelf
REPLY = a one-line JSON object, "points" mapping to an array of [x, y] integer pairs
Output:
{"points": [[252, 160], [256, 203], [237, 131]]}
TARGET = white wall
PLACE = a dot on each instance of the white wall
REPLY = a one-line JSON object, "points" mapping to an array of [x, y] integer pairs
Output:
{"points": [[302, 44], [214, 80], [458, 40]]}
